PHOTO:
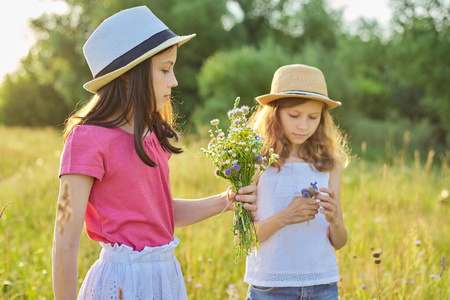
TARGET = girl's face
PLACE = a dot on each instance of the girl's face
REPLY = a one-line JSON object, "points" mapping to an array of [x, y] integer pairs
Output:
{"points": [[299, 122], [163, 76]]}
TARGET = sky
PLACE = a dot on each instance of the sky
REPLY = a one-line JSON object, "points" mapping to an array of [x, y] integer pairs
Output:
{"points": [[17, 37], [15, 34], [369, 9]]}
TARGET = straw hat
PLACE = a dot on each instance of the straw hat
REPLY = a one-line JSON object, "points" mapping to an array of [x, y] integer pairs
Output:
{"points": [[124, 40], [300, 81]]}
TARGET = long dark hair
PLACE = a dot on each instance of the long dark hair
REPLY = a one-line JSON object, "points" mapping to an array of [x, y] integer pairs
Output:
{"points": [[131, 94]]}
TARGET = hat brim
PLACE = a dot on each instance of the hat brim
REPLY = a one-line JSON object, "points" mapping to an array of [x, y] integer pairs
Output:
{"points": [[266, 99], [94, 85]]}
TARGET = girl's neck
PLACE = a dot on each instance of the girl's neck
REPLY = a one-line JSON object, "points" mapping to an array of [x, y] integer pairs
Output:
{"points": [[127, 127], [295, 154], [294, 158]]}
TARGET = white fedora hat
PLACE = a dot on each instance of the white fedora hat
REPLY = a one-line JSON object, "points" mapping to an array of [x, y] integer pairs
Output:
{"points": [[298, 81], [124, 40]]}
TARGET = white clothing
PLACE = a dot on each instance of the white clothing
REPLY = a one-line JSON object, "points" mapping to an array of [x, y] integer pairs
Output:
{"points": [[153, 273], [299, 254]]}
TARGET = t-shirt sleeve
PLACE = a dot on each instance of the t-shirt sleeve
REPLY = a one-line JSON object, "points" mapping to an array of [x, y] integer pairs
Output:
{"points": [[82, 154]]}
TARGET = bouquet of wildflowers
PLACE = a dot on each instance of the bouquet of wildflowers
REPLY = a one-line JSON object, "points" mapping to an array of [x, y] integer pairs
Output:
{"points": [[237, 156]]}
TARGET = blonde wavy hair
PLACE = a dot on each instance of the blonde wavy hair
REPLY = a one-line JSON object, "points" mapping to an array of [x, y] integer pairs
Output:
{"points": [[325, 149]]}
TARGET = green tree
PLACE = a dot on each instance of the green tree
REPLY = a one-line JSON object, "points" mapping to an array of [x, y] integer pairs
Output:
{"points": [[420, 62], [365, 56], [319, 24], [245, 72], [39, 105]]}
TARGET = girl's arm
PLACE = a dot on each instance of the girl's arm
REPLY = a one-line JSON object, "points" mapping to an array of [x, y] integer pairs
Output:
{"points": [[332, 210], [66, 243], [188, 212], [299, 210]]}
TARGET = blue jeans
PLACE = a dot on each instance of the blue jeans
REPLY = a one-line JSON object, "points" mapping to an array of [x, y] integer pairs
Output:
{"points": [[315, 292]]}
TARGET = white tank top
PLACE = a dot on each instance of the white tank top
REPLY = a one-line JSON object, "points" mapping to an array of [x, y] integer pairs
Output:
{"points": [[298, 254]]}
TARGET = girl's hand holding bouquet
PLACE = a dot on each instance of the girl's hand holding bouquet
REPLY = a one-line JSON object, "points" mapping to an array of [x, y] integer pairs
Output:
{"points": [[246, 195]]}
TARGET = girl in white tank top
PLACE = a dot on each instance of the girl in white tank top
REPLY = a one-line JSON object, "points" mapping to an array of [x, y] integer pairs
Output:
{"points": [[298, 236]]}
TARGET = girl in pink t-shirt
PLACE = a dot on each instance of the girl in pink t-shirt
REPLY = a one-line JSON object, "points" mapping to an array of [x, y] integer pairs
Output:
{"points": [[115, 163]]}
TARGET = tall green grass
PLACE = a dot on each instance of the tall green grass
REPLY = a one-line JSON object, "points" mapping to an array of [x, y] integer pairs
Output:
{"points": [[395, 207]]}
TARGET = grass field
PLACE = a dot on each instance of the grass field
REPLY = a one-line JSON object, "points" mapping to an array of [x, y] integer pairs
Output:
{"points": [[398, 208]]}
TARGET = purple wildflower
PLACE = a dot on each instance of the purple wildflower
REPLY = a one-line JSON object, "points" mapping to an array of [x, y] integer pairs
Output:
{"points": [[237, 121], [305, 194], [236, 167], [312, 190], [258, 158], [239, 112], [363, 287], [227, 172]]}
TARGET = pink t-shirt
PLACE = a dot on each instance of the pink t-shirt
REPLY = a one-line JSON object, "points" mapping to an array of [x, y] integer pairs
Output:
{"points": [[130, 203]]}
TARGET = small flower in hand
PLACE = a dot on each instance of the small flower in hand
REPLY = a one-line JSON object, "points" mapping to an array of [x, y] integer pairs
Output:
{"points": [[311, 191]]}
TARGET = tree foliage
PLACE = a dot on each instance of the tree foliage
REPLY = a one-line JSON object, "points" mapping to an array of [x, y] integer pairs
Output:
{"points": [[397, 77], [40, 105], [419, 57]]}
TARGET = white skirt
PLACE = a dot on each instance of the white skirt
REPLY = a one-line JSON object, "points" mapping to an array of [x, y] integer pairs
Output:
{"points": [[153, 273]]}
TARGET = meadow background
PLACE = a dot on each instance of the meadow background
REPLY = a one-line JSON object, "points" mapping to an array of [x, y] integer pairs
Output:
{"points": [[399, 208], [394, 85]]}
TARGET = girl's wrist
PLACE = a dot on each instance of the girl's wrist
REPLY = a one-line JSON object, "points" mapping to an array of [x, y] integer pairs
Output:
{"points": [[282, 221], [337, 223], [225, 200]]}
